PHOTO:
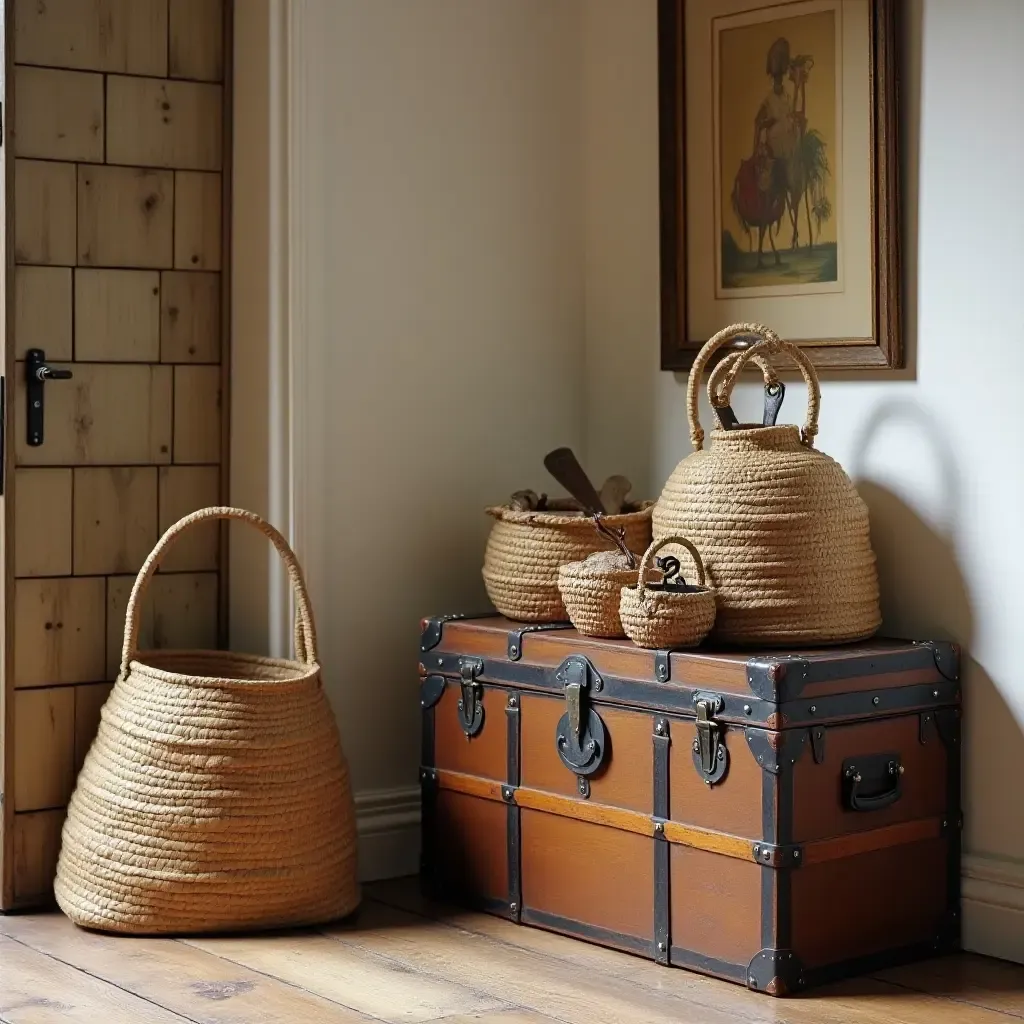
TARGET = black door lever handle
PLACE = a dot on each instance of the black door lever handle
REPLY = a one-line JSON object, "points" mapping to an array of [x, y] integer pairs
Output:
{"points": [[45, 372], [36, 372]]}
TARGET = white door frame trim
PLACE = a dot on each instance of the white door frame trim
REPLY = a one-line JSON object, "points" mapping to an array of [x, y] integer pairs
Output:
{"points": [[277, 324]]}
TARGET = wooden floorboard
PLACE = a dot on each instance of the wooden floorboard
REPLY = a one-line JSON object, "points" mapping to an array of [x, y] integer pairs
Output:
{"points": [[408, 959], [353, 975], [176, 976], [36, 989]]}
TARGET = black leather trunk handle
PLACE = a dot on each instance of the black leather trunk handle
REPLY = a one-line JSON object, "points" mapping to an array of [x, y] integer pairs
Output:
{"points": [[870, 771]]}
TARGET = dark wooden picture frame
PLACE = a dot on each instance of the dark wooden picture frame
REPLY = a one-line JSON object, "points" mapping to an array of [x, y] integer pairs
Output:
{"points": [[884, 349]]}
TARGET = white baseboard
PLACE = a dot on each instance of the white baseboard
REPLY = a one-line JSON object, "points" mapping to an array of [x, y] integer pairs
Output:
{"points": [[993, 906], [388, 822]]}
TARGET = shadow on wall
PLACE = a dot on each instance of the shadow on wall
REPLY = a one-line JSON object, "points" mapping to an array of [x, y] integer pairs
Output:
{"points": [[926, 596]]}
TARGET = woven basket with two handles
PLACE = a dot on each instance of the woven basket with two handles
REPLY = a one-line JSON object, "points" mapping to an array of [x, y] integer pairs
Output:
{"points": [[781, 528], [216, 796]]}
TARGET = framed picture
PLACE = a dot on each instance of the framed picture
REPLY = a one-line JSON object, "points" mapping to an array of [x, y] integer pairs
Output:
{"points": [[779, 176]]}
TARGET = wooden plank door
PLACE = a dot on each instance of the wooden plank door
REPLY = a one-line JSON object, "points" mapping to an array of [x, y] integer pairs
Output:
{"points": [[116, 261]]}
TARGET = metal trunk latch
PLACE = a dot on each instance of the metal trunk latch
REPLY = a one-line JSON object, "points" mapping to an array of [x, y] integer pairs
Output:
{"points": [[710, 757], [471, 711], [579, 736]]}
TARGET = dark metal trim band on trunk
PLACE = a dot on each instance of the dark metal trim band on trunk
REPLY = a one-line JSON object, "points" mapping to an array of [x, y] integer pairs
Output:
{"points": [[513, 837], [695, 961], [514, 643], [662, 900], [737, 709], [432, 629], [813, 976], [427, 739], [783, 678], [513, 820], [590, 932]]}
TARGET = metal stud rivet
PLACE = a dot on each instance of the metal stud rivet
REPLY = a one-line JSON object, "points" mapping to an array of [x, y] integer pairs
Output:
{"points": [[659, 727], [876, 701], [696, 745], [935, 693], [661, 947], [767, 855], [796, 855], [812, 709], [721, 753], [753, 981], [746, 709], [512, 702], [659, 827], [945, 824], [513, 650], [513, 907]]}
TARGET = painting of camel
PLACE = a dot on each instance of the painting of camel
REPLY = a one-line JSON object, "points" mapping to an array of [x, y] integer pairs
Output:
{"points": [[778, 170], [777, 120]]}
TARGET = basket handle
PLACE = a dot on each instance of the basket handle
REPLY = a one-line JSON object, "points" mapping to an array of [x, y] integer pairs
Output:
{"points": [[769, 347], [769, 344], [305, 629], [771, 378], [645, 562]]}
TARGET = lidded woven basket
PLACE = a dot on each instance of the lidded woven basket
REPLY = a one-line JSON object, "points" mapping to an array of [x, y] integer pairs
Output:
{"points": [[525, 550], [782, 530], [216, 795]]}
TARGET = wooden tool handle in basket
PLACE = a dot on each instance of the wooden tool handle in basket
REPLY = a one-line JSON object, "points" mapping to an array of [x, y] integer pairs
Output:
{"points": [[305, 628]]}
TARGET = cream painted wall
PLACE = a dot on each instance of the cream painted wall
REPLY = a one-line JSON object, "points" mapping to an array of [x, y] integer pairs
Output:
{"points": [[446, 262], [453, 309], [938, 453], [408, 231]]}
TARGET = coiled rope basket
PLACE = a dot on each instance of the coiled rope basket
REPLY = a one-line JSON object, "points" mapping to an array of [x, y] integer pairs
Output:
{"points": [[216, 796], [783, 533]]}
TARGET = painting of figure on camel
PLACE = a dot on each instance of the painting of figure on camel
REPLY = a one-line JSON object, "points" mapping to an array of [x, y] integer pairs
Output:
{"points": [[777, 128]]}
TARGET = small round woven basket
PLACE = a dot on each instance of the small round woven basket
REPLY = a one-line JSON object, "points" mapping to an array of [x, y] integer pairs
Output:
{"points": [[216, 796], [590, 592], [654, 615], [526, 549]]}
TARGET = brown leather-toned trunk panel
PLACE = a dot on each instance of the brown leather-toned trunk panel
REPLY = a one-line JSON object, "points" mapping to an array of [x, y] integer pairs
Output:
{"points": [[732, 805], [716, 904], [589, 873], [483, 754], [625, 778], [886, 899], [818, 808], [470, 854]]}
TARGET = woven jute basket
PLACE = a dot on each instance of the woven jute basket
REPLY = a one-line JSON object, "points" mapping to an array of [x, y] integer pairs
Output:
{"points": [[526, 549], [216, 796], [590, 591], [782, 530], [659, 618]]}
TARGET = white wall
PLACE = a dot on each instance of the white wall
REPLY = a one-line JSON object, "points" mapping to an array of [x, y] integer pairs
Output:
{"points": [[434, 293], [446, 232], [938, 453]]}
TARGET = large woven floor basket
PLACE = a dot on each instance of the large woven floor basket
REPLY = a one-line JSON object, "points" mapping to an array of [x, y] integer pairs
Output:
{"points": [[216, 796]]}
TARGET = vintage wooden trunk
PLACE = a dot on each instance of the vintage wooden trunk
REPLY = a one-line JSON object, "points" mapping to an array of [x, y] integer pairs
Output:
{"points": [[776, 819]]}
